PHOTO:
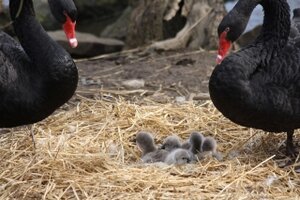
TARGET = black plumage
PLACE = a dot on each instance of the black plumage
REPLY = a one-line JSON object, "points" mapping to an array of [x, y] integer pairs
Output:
{"points": [[37, 76], [259, 86]]}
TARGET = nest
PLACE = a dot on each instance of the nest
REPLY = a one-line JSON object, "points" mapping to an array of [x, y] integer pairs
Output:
{"points": [[87, 150]]}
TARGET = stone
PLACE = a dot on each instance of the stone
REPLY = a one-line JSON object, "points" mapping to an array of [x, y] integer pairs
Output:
{"points": [[134, 83], [88, 44], [119, 28]]}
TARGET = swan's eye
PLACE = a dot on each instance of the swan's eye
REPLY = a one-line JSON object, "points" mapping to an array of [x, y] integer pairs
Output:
{"points": [[227, 29]]}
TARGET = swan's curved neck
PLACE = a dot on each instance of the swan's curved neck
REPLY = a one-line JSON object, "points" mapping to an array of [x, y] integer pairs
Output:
{"points": [[40, 48], [276, 25]]}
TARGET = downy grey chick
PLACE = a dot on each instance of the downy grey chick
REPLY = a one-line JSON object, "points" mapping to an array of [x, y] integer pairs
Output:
{"points": [[179, 157], [210, 146], [201, 146], [196, 140], [150, 153], [171, 143], [185, 153], [186, 145]]}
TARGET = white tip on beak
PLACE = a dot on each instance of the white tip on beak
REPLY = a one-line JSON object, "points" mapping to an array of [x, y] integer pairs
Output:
{"points": [[219, 59], [73, 42]]}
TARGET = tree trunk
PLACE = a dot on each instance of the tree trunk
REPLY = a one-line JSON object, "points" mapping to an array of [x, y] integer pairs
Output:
{"points": [[146, 23], [150, 17]]}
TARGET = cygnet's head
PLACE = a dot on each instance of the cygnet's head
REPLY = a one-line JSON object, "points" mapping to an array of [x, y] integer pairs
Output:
{"points": [[209, 144], [145, 142], [171, 142], [196, 141], [179, 157]]}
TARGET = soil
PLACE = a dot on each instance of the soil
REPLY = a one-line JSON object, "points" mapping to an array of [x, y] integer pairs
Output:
{"points": [[167, 76]]}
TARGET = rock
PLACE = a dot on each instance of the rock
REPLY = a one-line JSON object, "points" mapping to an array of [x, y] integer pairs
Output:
{"points": [[119, 29], [95, 15], [82, 4], [89, 45], [180, 99], [134, 83]]}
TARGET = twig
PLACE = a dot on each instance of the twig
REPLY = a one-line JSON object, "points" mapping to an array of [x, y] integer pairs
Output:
{"points": [[107, 55]]}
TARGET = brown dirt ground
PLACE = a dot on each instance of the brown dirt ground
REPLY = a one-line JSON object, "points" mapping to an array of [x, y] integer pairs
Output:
{"points": [[167, 75]]}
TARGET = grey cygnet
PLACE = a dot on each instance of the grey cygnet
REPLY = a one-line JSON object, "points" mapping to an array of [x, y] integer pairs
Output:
{"points": [[179, 157], [196, 141], [171, 143], [150, 153]]}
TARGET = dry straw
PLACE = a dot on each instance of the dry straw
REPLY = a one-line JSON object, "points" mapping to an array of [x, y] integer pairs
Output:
{"points": [[86, 150]]}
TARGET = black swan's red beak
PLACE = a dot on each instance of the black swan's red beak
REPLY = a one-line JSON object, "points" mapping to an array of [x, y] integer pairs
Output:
{"points": [[69, 28], [224, 46]]}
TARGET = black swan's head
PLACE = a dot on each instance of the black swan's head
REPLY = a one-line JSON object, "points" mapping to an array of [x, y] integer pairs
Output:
{"points": [[233, 25], [65, 12]]}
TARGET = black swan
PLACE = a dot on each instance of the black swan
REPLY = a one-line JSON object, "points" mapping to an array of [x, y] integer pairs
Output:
{"points": [[38, 76], [259, 86]]}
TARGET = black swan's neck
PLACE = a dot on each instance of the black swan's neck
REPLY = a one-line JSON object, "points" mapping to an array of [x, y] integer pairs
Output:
{"points": [[276, 25], [245, 8], [40, 48]]}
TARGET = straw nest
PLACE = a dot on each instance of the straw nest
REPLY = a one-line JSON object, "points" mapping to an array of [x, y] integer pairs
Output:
{"points": [[87, 150]]}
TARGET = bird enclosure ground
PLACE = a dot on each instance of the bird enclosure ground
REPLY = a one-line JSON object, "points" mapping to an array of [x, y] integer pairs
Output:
{"points": [[165, 76], [87, 150]]}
